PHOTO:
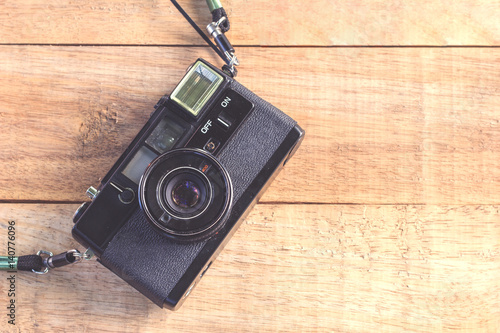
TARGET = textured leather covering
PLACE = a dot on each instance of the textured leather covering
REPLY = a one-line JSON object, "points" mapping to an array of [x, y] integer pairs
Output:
{"points": [[153, 264], [255, 142], [146, 260]]}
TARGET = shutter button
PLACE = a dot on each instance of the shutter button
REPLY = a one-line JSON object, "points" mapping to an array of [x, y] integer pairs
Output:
{"points": [[92, 192]]}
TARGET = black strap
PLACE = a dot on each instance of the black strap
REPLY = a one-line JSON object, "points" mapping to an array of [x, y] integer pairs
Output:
{"points": [[219, 13], [29, 263], [42, 261], [199, 31]]}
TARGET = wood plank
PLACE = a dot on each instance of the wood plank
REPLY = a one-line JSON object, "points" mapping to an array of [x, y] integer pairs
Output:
{"points": [[280, 22], [384, 125], [290, 268]]}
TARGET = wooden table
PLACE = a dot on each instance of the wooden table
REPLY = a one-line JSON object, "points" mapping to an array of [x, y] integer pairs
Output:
{"points": [[387, 219]]}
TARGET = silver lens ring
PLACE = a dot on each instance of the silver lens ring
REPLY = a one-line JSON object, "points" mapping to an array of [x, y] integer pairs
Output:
{"points": [[198, 219]]}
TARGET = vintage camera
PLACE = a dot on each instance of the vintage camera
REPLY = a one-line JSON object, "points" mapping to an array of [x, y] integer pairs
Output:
{"points": [[178, 193]]}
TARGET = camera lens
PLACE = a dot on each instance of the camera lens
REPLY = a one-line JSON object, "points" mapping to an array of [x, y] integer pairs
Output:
{"points": [[185, 194]]}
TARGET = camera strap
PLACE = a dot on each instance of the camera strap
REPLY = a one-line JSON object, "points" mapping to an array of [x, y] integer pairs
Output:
{"points": [[41, 262], [216, 29]]}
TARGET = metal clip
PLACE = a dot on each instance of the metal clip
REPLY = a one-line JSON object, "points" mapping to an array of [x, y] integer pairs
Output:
{"points": [[224, 45], [62, 259], [87, 255], [49, 255]]}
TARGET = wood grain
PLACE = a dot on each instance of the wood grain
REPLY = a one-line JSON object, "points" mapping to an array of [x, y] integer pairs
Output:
{"points": [[383, 125], [290, 268], [386, 220], [258, 22]]}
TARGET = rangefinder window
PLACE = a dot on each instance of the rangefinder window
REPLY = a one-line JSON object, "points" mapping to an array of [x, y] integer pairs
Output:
{"points": [[196, 88], [165, 135]]}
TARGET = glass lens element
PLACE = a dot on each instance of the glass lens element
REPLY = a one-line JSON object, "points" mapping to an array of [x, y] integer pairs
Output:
{"points": [[186, 194]]}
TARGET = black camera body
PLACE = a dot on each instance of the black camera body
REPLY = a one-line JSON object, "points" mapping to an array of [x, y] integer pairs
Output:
{"points": [[178, 193]]}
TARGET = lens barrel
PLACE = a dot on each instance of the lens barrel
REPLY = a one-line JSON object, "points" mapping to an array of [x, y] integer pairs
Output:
{"points": [[186, 194]]}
